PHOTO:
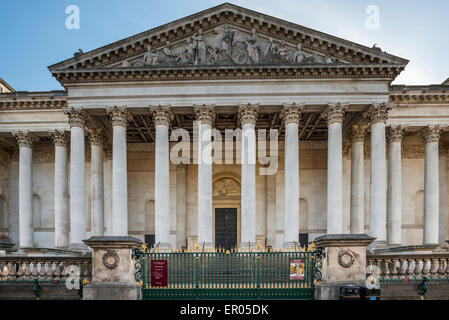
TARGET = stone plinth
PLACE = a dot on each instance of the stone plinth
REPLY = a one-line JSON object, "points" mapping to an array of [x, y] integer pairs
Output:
{"points": [[344, 263], [112, 269]]}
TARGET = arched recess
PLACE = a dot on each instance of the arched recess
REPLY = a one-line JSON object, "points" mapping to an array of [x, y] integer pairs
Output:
{"points": [[36, 211], [226, 193]]}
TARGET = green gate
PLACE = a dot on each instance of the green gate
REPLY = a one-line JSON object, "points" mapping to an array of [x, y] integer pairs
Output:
{"points": [[231, 274]]}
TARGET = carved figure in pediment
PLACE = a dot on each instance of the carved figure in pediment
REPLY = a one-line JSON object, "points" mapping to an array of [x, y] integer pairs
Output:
{"points": [[200, 48], [298, 55], [189, 51], [251, 47], [150, 57], [212, 55], [170, 54], [227, 38]]}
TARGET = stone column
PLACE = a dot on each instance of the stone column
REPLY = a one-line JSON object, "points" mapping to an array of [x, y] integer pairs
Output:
{"points": [[443, 149], [394, 200], [77, 119], [96, 181], [26, 232], [13, 197], [357, 215], [181, 234], [205, 116], [119, 119], [291, 115], [107, 184], [334, 114], [378, 114], [431, 135], [248, 117], [60, 140], [162, 116]]}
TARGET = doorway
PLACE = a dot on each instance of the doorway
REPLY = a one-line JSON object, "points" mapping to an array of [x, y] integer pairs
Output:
{"points": [[226, 228]]}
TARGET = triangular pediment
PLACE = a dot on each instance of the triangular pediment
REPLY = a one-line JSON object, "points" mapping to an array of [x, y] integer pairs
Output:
{"points": [[226, 36]]}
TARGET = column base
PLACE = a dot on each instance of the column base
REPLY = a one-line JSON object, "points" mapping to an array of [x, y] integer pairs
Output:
{"points": [[291, 245], [248, 245], [80, 247], [376, 245]]}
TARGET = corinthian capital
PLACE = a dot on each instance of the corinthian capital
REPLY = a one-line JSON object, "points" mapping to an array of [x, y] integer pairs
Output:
{"points": [[378, 112], [248, 113], [205, 113], [334, 112], [395, 134], [60, 137], [358, 132], [162, 115], [77, 117], [25, 138], [291, 113], [118, 116], [431, 133], [96, 137]]}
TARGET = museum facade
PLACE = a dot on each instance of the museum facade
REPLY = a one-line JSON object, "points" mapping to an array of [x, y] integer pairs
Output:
{"points": [[225, 128]]}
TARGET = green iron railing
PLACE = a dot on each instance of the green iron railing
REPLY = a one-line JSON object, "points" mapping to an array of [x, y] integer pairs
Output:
{"points": [[232, 274]]}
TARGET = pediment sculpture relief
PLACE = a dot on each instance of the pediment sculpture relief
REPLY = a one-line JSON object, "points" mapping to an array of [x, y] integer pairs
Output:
{"points": [[226, 187], [225, 46]]}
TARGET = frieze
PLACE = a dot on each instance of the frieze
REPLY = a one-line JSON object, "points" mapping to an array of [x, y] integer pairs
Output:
{"points": [[228, 46]]}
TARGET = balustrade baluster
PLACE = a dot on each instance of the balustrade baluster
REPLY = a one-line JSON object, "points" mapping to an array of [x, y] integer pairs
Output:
{"points": [[42, 272], [446, 272], [12, 270], [49, 275], [409, 271], [20, 271], [425, 269], [441, 268], [402, 268], [57, 273], [417, 268], [27, 275], [394, 270], [433, 268]]}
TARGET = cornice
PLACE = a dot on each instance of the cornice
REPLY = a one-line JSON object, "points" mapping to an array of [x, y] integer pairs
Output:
{"points": [[10, 103], [343, 71], [441, 97]]}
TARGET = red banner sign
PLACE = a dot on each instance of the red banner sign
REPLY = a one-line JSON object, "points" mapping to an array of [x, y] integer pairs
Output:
{"points": [[159, 273]]}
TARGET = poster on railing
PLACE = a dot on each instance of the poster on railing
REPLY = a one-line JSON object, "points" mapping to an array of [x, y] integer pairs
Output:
{"points": [[159, 273], [296, 269]]}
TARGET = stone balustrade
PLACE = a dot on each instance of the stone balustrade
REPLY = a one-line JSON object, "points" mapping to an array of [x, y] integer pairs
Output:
{"points": [[409, 266], [44, 268]]}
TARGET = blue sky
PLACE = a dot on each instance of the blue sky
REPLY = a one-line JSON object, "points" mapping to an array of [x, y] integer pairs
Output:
{"points": [[33, 33]]}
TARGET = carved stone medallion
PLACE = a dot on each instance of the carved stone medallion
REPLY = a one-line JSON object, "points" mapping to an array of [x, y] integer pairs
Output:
{"points": [[111, 259], [346, 258]]}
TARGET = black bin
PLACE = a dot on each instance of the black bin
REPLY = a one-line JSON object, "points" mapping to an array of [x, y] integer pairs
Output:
{"points": [[369, 294], [350, 292]]}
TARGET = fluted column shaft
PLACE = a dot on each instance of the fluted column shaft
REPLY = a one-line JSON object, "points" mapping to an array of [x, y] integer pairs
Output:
{"points": [[431, 135], [334, 115], [13, 197], [248, 116], [97, 179], [118, 118], [394, 200], [205, 115], [162, 116], [291, 115], [357, 214], [378, 114], [77, 118], [26, 232], [61, 190]]}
